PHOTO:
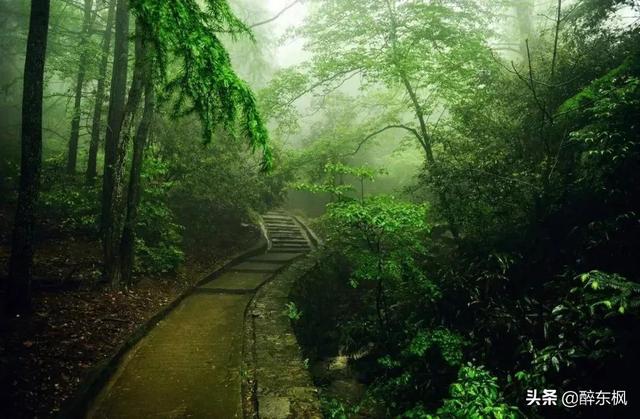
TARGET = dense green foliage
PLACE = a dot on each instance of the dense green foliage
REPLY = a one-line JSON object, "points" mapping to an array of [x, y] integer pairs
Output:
{"points": [[186, 31], [202, 139], [476, 164], [535, 164]]}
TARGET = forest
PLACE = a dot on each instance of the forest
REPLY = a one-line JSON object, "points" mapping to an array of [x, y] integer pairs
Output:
{"points": [[435, 203]]}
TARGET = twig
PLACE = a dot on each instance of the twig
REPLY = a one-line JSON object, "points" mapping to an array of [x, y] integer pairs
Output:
{"points": [[380, 131], [323, 81], [280, 13]]}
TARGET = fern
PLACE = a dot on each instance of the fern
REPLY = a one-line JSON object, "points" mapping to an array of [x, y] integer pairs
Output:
{"points": [[619, 293]]}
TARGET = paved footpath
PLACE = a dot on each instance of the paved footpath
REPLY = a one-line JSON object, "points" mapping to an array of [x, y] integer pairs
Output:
{"points": [[190, 363]]}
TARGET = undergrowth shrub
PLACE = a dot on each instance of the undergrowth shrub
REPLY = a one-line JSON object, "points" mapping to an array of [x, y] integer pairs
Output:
{"points": [[158, 235]]}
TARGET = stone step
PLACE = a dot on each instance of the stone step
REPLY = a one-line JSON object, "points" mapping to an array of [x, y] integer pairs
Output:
{"points": [[290, 230], [256, 267], [286, 232], [291, 246], [278, 220], [233, 280], [271, 225], [289, 249], [277, 240], [289, 225], [286, 235], [299, 240], [275, 257], [284, 229], [294, 238], [282, 242]]}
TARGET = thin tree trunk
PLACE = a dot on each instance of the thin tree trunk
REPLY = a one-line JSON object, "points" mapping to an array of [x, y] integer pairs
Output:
{"points": [[72, 155], [114, 146], [92, 164], [136, 89], [117, 208], [21, 261], [135, 187], [556, 37], [425, 141]]}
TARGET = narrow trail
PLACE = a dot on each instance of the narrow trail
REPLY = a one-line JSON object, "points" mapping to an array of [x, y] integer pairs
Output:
{"points": [[189, 364]]}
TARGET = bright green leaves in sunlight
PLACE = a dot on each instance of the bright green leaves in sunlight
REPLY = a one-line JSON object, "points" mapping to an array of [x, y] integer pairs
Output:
{"points": [[379, 236], [432, 43], [334, 180], [361, 172], [197, 68], [277, 100]]}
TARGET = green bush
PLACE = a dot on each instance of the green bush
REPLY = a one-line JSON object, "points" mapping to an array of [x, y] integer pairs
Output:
{"points": [[69, 202], [158, 236], [475, 395]]}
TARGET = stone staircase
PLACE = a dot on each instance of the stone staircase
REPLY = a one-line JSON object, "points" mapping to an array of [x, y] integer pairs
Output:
{"points": [[285, 234]]}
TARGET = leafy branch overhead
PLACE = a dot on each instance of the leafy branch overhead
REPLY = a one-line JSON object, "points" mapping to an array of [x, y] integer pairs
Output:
{"points": [[184, 34]]}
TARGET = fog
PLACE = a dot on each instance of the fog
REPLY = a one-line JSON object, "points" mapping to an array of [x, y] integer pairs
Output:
{"points": [[319, 208]]}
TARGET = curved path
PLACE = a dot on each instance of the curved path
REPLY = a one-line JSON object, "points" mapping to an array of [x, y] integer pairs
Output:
{"points": [[190, 363]]}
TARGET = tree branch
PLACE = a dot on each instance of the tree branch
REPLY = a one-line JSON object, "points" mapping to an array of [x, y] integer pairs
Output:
{"points": [[531, 84], [280, 13], [324, 81], [555, 41], [381, 130]]}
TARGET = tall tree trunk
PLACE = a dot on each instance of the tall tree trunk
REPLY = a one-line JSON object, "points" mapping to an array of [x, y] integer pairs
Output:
{"points": [[117, 209], [72, 155], [21, 261], [114, 146], [92, 164], [135, 187]]}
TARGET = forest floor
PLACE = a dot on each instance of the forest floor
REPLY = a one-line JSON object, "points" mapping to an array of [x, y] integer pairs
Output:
{"points": [[77, 323]]}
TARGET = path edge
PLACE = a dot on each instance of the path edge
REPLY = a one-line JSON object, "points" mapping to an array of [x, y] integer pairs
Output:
{"points": [[315, 240], [77, 405], [249, 386]]}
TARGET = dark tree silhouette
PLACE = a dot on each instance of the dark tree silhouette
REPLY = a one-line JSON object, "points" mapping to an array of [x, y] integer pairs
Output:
{"points": [[72, 155], [20, 264], [114, 146], [100, 96], [135, 185]]}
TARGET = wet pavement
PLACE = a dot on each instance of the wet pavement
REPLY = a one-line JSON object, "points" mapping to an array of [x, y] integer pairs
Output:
{"points": [[190, 363]]}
